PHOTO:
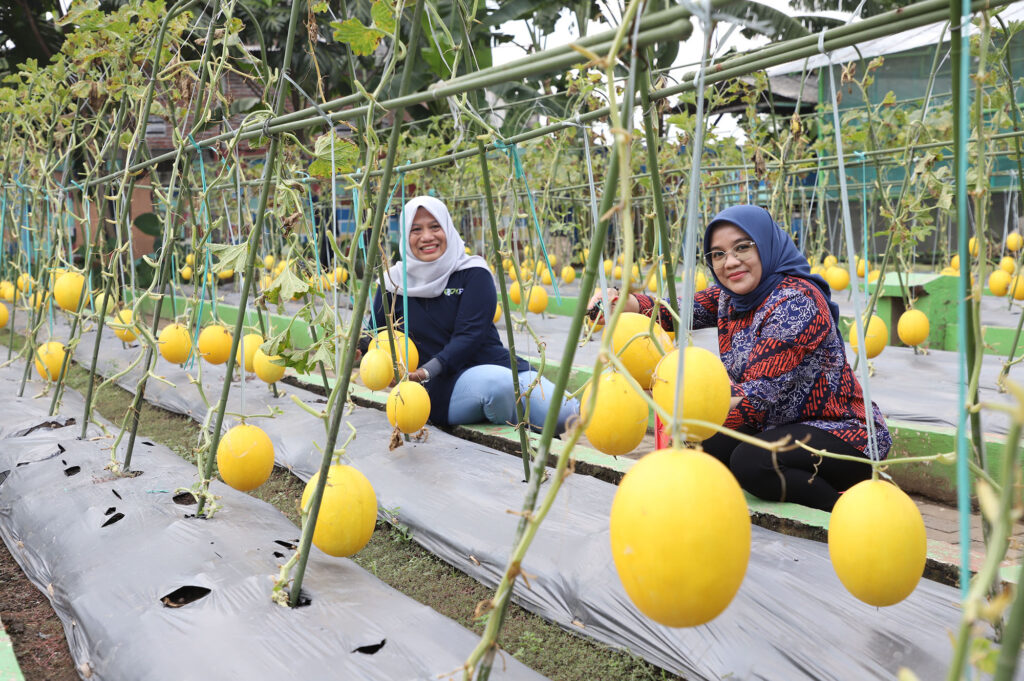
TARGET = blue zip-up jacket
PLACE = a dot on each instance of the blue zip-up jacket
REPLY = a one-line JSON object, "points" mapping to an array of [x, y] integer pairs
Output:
{"points": [[452, 332]]}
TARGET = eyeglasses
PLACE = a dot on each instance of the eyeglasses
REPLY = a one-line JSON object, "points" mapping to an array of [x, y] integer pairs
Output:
{"points": [[745, 250]]}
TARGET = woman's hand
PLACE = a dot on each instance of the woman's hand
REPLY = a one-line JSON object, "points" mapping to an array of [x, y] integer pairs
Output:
{"points": [[419, 375], [632, 305]]}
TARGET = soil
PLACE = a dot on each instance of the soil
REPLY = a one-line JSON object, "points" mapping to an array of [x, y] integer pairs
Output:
{"points": [[35, 631]]}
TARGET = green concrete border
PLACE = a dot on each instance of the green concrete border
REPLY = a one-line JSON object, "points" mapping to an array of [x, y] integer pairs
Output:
{"points": [[9, 669], [787, 518]]}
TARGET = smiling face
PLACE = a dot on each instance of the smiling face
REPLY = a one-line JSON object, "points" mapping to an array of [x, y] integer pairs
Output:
{"points": [[739, 276], [426, 236]]}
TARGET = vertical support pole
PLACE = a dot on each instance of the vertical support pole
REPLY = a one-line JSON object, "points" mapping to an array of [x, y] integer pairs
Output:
{"points": [[659, 207], [524, 437], [254, 246], [358, 309]]}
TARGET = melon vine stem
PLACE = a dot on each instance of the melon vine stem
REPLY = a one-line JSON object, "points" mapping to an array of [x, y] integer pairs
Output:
{"points": [[163, 276], [499, 602], [659, 207], [250, 259], [37, 299], [101, 316], [358, 309], [492, 220], [483, 653]]}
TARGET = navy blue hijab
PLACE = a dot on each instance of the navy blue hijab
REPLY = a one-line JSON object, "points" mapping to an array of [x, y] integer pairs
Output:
{"points": [[779, 256]]}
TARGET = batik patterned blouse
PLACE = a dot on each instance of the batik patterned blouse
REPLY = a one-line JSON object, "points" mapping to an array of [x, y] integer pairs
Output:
{"points": [[788, 362]]}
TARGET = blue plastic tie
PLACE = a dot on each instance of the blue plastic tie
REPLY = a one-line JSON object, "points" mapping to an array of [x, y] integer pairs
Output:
{"points": [[513, 153]]}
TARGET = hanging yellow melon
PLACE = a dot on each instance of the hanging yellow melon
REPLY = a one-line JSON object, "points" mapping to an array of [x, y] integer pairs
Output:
{"points": [[876, 337], [538, 300], [267, 367], [617, 419], [877, 542], [124, 327], [640, 355], [837, 277], [375, 369], [215, 344], [245, 457], [913, 327], [680, 536], [999, 282], [175, 343], [348, 511], [706, 389], [408, 407], [49, 358], [68, 291]]}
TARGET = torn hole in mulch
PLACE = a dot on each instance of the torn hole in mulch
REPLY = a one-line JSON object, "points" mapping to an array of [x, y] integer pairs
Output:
{"points": [[184, 595]]}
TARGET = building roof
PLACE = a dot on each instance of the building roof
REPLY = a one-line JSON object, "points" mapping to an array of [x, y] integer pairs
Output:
{"points": [[928, 35]]}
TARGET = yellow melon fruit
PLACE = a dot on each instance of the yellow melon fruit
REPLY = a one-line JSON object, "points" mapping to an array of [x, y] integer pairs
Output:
{"points": [[215, 344], [706, 389], [408, 407], [175, 343], [680, 536], [617, 419], [639, 354], [347, 514], [877, 542], [876, 337], [245, 457]]}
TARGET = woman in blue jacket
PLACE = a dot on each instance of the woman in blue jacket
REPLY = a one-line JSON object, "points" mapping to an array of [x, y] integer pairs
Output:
{"points": [[452, 299]]}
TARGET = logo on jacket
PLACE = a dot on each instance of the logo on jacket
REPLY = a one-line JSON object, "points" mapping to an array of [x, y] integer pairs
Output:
{"points": [[453, 291]]}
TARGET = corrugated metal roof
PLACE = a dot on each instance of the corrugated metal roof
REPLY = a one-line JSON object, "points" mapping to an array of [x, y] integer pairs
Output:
{"points": [[904, 41]]}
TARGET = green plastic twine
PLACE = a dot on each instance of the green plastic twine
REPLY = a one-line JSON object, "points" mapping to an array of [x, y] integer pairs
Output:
{"points": [[405, 269], [513, 153], [209, 262], [362, 247], [858, 319], [3, 225], [962, 478]]}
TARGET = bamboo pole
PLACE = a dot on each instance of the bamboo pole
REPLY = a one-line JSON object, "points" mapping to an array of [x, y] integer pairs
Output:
{"points": [[253, 249], [165, 250], [358, 309], [524, 437], [667, 250]]}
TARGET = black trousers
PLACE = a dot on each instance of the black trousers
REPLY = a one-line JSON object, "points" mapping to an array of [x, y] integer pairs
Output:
{"points": [[794, 475]]}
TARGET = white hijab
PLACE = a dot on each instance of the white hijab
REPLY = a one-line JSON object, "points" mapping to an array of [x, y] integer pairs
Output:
{"points": [[429, 279]]}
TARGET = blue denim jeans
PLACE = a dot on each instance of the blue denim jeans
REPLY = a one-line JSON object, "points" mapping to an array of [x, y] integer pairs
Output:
{"points": [[484, 393]]}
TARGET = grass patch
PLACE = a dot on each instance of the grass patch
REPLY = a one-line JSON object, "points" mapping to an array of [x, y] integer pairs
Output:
{"points": [[394, 558]]}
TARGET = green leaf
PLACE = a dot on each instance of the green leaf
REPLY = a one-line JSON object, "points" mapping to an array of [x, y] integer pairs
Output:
{"points": [[383, 16], [288, 285], [149, 224], [346, 154], [81, 89], [231, 256], [363, 40], [319, 7]]}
